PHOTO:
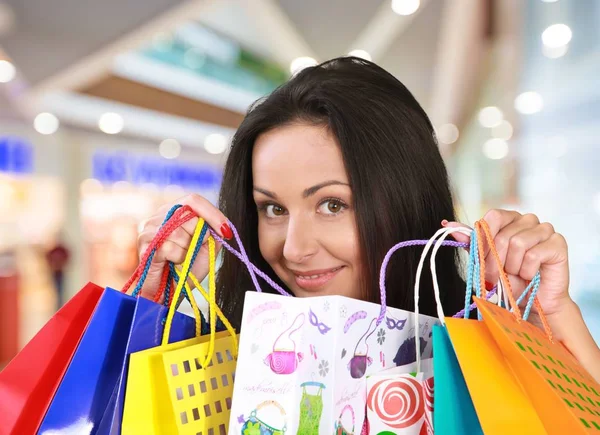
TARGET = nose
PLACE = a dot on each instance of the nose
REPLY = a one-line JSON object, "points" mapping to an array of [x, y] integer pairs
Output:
{"points": [[300, 242]]}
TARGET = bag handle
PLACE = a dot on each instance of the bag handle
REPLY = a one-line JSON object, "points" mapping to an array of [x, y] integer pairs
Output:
{"points": [[483, 226], [252, 269], [194, 247], [180, 216], [187, 264], [273, 403], [436, 289], [387, 259]]}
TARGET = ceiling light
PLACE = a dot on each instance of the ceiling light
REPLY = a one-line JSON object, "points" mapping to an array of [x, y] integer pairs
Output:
{"points": [[7, 71], [405, 7], [169, 149], [447, 134], [46, 123], [495, 149], [111, 123], [300, 63], [360, 53], [557, 35], [490, 116], [504, 130], [529, 103], [555, 52], [215, 143]]}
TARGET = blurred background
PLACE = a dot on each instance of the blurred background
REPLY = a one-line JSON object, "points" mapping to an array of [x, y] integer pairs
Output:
{"points": [[109, 109]]}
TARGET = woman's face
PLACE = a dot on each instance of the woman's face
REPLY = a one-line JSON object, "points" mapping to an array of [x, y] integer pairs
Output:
{"points": [[307, 225]]}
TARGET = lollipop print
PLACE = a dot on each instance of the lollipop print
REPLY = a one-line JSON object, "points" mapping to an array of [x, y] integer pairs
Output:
{"points": [[426, 427], [428, 388], [397, 402]]}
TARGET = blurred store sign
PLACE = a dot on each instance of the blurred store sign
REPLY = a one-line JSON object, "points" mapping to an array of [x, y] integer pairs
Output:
{"points": [[199, 49], [139, 170], [16, 155]]}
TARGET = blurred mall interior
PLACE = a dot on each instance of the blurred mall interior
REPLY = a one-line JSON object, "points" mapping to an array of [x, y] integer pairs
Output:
{"points": [[109, 109]]}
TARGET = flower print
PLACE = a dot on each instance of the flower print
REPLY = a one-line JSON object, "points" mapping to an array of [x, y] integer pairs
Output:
{"points": [[380, 336], [323, 368], [326, 306], [343, 311]]}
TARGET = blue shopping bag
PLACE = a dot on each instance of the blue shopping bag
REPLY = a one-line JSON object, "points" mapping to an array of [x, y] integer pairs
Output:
{"points": [[81, 398], [146, 332], [454, 412]]}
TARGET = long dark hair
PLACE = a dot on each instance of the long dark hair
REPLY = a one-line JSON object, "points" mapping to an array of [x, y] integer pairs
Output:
{"points": [[397, 175]]}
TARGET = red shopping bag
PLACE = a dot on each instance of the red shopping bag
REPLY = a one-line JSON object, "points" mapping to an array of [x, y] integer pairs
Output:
{"points": [[29, 381]]}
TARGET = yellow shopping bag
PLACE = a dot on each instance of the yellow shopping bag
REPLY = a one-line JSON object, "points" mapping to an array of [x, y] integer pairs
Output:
{"points": [[184, 387]]}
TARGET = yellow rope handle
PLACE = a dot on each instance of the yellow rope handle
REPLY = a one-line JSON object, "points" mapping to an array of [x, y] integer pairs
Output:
{"points": [[186, 266], [220, 314], [212, 302]]}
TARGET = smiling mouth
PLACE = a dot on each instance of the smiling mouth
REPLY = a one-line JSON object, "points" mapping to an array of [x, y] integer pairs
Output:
{"points": [[315, 279]]}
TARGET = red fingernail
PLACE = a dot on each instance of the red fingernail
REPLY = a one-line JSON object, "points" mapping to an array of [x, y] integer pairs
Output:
{"points": [[444, 222], [226, 231], [489, 285]]}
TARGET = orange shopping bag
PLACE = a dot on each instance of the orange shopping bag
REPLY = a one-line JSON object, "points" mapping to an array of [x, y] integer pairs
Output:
{"points": [[564, 395], [501, 405]]}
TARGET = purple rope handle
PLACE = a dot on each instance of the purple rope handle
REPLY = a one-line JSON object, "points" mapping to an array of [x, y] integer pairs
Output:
{"points": [[387, 259], [252, 269], [491, 293]]}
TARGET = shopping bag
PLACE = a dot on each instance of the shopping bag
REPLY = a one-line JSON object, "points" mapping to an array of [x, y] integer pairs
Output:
{"points": [[482, 370], [400, 400], [29, 381], [146, 332], [85, 391], [454, 411], [184, 387], [334, 341], [563, 394]]}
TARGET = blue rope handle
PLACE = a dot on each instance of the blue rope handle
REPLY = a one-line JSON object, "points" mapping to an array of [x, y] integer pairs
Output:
{"points": [[473, 268], [144, 274]]}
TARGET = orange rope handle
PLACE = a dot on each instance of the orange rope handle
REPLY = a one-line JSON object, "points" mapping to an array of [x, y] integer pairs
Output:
{"points": [[503, 277], [543, 319], [481, 253]]}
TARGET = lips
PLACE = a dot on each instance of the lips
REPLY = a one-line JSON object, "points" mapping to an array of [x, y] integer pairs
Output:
{"points": [[315, 279]]}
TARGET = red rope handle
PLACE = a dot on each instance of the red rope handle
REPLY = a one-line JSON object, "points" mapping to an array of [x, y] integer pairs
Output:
{"points": [[181, 216]]}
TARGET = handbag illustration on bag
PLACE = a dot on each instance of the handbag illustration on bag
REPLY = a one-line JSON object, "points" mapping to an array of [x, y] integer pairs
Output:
{"points": [[284, 361], [360, 361], [257, 426], [340, 429]]}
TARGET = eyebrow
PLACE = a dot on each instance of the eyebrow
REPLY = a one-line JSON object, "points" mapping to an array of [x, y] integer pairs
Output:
{"points": [[307, 192]]}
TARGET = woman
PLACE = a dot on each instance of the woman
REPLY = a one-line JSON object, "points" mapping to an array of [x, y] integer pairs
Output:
{"points": [[326, 174]]}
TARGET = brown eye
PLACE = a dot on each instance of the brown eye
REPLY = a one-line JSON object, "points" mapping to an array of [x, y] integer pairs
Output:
{"points": [[331, 207], [275, 210]]}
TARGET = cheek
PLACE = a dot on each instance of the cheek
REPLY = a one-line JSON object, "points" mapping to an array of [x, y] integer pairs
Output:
{"points": [[270, 241], [341, 241]]}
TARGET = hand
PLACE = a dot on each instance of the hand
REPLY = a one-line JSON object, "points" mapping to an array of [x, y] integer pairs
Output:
{"points": [[176, 246], [526, 246]]}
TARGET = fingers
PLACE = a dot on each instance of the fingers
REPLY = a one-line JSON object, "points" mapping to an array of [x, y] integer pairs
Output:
{"points": [[552, 251], [504, 225], [520, 244], [212, 215]]}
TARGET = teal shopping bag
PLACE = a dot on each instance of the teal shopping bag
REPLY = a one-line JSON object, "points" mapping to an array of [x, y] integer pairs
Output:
{"points": [[453, 412]]}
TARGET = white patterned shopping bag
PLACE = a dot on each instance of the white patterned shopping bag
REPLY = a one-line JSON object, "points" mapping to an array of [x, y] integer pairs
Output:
{"points": [[309, 359]]}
